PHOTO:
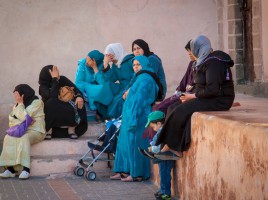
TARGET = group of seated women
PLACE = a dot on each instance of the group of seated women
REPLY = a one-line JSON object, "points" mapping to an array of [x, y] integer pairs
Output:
{"points": [[114, 84]]}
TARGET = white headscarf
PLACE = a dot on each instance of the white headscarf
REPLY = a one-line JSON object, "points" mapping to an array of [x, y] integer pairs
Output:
{"points": [[117, 50]]}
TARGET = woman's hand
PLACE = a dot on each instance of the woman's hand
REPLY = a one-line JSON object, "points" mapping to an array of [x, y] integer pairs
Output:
{"points": [[54, 72], [107, 58], [79, 102], [18, 97], [187, 96], [125, 95]]}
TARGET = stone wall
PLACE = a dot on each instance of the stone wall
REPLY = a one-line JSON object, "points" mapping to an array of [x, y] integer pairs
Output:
{"points": [[230, 29]]}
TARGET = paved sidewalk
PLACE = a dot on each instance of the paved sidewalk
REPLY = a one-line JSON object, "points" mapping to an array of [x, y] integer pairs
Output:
{"points": [[71, 187]]}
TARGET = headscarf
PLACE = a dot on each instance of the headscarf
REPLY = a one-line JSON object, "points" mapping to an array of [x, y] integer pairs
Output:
{"points": [[27, 92], [144, 62], [145, 47], [117, 50], [201, 48], [97, 56], [45, 76], [188, 46]]}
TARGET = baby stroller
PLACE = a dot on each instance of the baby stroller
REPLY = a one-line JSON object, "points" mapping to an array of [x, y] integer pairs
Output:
{"points": [[109, 141]]}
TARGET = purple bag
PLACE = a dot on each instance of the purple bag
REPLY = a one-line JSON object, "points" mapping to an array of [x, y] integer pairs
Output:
{"points": [[20, 129]]}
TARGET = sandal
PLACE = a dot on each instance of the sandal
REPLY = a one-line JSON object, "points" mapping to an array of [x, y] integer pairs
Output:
{"points": [[124, 175], [48, 136], [131, 179], [73, 136]]}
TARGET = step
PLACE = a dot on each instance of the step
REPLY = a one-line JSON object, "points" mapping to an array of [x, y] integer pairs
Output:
{"points": [[60, 155]]}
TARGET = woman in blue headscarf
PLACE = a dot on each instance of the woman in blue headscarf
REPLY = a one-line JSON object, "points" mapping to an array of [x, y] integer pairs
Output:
{"points": [[89, 78], [213, 91], [136, 109]]}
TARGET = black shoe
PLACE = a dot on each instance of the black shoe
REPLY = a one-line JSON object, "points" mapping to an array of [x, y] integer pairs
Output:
{"points": [[158, 194], [146, 153], [149, 154], [167, 155]]}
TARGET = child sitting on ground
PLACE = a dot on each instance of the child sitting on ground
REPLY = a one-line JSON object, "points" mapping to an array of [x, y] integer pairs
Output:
{"points": [[156, 120]]}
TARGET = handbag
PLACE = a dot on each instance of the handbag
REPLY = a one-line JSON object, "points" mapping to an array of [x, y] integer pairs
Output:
{"points": [[66, 93], [20, 129]]}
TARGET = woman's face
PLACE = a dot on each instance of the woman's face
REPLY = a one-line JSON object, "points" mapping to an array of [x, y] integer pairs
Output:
{"points": [[191, 56], [136, 66], [89, 61], [137, 50]]}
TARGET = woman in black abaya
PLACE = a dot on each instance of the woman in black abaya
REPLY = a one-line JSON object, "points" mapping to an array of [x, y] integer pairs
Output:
{"points": [[63, 119]]}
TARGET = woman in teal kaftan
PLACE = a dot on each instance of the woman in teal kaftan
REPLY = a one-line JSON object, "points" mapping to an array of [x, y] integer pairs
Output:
{"points": [[89, 77], [136, 109]]}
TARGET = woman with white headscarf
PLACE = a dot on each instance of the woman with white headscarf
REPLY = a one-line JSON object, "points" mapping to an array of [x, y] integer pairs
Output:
{"points": [[213, 91], [117, 73]]}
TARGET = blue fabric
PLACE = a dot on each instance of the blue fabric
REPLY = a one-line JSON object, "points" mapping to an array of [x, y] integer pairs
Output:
{"points": [[88, 82], [136, 109], [157, 66], [97, 56], [165, 167], [156, 148], [118, 79]]}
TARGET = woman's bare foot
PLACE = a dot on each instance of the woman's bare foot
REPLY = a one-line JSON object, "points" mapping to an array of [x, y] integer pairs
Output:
{"points": [[177, 153], [131, 179], [117, 176]]}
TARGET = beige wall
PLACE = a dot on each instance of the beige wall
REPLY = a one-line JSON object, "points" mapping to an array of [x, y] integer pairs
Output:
{"points": [[35, 33]]}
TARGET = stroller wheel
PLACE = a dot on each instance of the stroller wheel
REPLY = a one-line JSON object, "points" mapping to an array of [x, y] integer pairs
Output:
{"points": [[79, 171], [91, 175]]}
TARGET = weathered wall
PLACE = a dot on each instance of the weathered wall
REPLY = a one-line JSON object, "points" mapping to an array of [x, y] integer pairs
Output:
{"points": [[35, 33], [227, 160]]}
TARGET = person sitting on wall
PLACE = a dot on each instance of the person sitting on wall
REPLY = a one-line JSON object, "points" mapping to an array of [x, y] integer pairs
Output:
{"points": [[186, 85], [213, 91]]}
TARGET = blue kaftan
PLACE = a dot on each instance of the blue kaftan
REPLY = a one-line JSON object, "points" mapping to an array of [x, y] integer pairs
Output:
{"points": [[136, 109]]}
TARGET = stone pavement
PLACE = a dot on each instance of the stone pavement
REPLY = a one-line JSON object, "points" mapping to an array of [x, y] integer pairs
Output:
{"points": [[70, 187]]}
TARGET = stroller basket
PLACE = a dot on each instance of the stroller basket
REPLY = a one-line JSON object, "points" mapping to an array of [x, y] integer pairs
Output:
{"points": [[109, 142]]}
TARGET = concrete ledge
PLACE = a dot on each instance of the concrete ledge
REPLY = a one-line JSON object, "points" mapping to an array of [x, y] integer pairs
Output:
{"points": [[227, 158]]}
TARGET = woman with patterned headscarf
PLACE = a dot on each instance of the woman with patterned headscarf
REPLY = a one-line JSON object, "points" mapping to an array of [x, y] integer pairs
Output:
{"points": [[16, 150], [117, 74], [213, 91], [136, 109], [89, 79], [63, 119]]}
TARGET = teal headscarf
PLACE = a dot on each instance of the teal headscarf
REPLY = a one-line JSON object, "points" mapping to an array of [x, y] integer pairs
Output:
{"points": [[97, 56], [201, 48], [144, 62]]}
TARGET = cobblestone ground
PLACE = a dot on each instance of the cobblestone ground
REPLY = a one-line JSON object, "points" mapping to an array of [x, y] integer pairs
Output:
{"points": [[71, 187]]}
